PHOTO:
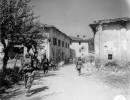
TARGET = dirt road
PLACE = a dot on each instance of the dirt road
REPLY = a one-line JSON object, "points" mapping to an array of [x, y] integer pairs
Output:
{"points": [[65, 84]]}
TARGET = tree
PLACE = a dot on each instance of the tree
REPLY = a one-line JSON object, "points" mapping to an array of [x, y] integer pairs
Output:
{"points": [[14, 17], [33, 36]]}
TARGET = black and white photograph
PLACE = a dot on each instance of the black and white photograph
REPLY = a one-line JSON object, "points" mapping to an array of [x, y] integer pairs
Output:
{"points": [[64, 49]]}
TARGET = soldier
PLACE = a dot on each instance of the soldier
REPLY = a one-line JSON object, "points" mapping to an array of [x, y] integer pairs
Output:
{"points": [[79, 65], [35, 64], [45, 64], [35, 61], [53, 63], [28, 69]]}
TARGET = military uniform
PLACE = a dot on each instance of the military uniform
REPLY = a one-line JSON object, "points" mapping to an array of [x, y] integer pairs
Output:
{"points": [[52, 63], [79, 65], [28, 69], [45, 64]]}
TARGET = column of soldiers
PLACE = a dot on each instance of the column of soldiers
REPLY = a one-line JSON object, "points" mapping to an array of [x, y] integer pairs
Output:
{"points": [[31, 66]]}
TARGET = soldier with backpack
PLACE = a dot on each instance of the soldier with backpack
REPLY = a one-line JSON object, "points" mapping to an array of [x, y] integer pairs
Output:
{"points": [[79, 65], [45, 64], [35, 61], [29, 67], [35, 64]]}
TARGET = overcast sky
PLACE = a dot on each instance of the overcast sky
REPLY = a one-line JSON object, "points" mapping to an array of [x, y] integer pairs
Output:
{"points": [[73, 16]]}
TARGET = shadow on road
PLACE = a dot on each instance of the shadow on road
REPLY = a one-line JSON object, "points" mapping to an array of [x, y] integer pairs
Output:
{"points": [[51, 75], [10, 94], [42, 97], [37, 90]]}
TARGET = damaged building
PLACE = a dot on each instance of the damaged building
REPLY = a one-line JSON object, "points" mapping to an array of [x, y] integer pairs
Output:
{"points": [[112, 40]]}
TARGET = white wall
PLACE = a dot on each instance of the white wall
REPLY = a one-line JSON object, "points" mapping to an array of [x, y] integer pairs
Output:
{"points": [[76, 46], [56, 50], [113, 40]]}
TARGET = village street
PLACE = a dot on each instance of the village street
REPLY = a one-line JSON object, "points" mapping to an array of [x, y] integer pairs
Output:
{"points": [[65, 84]]}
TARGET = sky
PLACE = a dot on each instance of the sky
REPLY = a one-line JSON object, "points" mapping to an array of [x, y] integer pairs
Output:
{"points": [[73, 17]]}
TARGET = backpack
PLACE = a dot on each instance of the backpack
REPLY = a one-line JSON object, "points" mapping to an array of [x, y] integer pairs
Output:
{"points": [[35, 63], [45, 62], [27, 65]]}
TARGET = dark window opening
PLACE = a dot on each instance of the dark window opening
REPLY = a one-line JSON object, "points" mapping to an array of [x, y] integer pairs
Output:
{"points": [[66, 45], [109, 56], [54, 41], [59, 43], [62, 43]]}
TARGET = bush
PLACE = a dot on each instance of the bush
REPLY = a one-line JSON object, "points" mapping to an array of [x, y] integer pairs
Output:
{"points": [[3, 81], [112, 64], [10, 77]]}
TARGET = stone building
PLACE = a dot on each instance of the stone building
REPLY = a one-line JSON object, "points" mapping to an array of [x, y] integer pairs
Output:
{"points": [[79, 47], [57, 45], [112, 40]]}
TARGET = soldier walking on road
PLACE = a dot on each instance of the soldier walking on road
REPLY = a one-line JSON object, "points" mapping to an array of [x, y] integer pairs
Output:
{"points": [[35, 64], [29, 68], [79, 65], [53, 63], [35, 61], [45, 64]]}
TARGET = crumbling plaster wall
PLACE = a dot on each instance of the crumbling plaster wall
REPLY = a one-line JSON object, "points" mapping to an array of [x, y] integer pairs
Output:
{"points": [[112, 39]]}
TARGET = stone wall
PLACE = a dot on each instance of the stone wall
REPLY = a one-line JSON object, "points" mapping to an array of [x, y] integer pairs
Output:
{"points": [[112, 43]]}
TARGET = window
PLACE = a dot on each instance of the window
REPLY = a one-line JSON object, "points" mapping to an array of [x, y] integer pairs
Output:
{"points": [[66, 45], [62, 43], [59, 43], [109, 56], [54, 41]]}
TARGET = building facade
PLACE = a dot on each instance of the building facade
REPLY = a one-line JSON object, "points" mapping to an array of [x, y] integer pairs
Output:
{"points": [[112, 40], [57, 45], [79, 47]]}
